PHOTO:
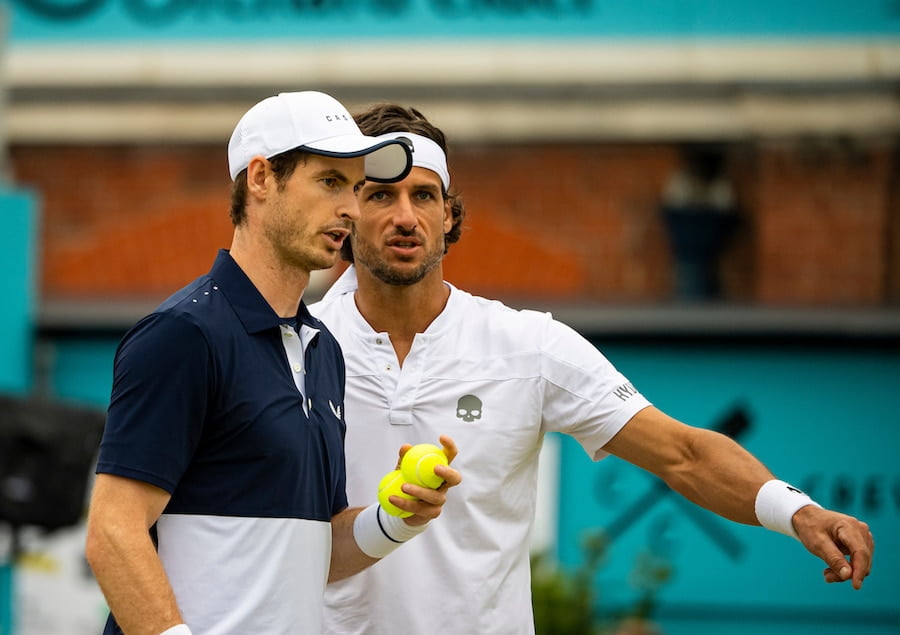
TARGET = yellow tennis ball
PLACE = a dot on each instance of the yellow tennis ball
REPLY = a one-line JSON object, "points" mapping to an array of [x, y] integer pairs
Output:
{"points": [[419, 462], [390, 486]]}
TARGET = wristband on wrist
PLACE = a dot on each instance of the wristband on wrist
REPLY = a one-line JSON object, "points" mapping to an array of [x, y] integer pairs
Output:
{"points": [[377, 533], [180, 629], [776, 504]]}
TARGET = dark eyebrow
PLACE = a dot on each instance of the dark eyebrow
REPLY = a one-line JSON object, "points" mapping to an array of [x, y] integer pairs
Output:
{"points": [[435, 189], [333, 173], [340, 176]]}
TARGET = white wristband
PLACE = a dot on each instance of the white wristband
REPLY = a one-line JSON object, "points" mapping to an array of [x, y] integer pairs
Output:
{"points": [[776, 504], [378, 533], [180, 629]]}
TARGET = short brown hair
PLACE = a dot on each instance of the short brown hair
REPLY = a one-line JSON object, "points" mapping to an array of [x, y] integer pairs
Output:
{"points": [[283, 165]]}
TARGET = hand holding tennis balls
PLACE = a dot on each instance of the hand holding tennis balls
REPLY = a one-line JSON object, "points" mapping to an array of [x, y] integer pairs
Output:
{"points": [[418, 464], [390, 486], [416, 467]]}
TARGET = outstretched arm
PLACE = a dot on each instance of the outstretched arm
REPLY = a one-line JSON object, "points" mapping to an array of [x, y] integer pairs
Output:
{"points": [[713, 471], [347, 557]]}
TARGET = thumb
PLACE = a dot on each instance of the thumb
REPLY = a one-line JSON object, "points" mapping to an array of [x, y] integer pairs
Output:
{"points": [[838, 568]]}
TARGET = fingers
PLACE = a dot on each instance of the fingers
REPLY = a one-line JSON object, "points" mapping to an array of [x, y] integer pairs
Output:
{"points": [[428, 506], [830, 576], [451, 477], [447, 442], [844, 543], [838, 572], [429, 502], [861, 557], [853, 538], [449, 447]]}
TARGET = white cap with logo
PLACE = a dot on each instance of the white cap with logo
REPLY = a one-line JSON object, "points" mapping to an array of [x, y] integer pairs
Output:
{"points": [[319, 124]]}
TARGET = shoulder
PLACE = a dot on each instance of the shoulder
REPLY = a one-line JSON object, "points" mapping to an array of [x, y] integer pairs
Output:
{"points": [[183, 322], [328, 306], [164, 336], [336, 314], [496, 315], [494, 324]]}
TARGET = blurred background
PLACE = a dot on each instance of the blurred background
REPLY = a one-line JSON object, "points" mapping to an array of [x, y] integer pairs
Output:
{"points": [[708, 190]]}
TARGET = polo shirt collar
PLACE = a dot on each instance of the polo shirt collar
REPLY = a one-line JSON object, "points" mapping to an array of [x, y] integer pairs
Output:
{"points": [[248, 303]]}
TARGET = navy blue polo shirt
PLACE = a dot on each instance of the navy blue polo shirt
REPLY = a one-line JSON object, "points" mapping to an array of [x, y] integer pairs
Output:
{"points": [[205, 406]]}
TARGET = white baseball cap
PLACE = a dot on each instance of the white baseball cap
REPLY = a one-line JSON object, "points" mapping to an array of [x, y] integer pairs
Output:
{"points": [[319, 124]]}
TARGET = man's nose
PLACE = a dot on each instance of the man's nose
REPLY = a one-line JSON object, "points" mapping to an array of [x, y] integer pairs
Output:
{"points": [[404, 213], [350, 207]]}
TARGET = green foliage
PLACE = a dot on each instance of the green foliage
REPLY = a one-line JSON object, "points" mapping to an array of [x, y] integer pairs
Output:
{"points": [[564, 601], [568, 602]]}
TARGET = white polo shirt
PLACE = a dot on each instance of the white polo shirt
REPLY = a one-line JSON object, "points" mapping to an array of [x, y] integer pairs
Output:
{"points": [[495, 379]]}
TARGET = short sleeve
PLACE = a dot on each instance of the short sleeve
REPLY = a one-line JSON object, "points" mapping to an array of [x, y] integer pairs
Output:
{"points": [[161, 382], [585, 396]]}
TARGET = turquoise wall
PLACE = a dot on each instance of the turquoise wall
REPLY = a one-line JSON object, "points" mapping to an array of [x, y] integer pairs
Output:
{"points": [[822, 417], [18, 249], [18, 246], [423, 20], [82, 368]]}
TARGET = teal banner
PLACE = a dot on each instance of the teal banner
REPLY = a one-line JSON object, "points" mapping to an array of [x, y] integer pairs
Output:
{"points": [[423, 20], [18, 246], [823, 419]]}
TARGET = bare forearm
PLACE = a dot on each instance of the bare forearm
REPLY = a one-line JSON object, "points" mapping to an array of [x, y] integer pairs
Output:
{"points": [[706, 467], [720, 476], [714, 472], [124, 559], [346, 556], [133, 582]]}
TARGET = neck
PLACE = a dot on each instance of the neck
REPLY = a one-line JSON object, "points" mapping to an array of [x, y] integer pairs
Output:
{"points": [[281, 284], [401, 311]]}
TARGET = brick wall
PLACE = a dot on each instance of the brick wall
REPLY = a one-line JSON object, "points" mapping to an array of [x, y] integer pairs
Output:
{"points": [[820, 223], [892, 237], [823, 215], [126, 222]]}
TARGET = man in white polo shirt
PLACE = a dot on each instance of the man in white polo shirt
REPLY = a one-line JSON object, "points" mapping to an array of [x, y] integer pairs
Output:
{"points": [[423, 356]]}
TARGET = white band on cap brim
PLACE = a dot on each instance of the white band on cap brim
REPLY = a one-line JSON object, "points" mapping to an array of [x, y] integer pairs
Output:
{"points": [[387, 161], [425, 154]]}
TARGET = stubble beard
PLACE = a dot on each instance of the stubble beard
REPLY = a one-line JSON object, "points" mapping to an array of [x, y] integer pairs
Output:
{"points": [[292, 244], [365, 255]]}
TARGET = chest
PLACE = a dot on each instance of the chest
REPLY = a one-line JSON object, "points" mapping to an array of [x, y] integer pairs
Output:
{"points": [[443, 387], [267, 402]]}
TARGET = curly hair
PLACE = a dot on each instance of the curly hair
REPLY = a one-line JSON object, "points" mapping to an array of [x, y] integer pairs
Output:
{"points": [[384, 118]]}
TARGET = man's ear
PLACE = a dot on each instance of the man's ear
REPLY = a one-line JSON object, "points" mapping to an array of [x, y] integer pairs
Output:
{"points": [[448, 215], [258, 170]]}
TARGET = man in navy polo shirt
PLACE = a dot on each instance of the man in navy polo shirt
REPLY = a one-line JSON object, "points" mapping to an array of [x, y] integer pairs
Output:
{"points": [[219, 504]]}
